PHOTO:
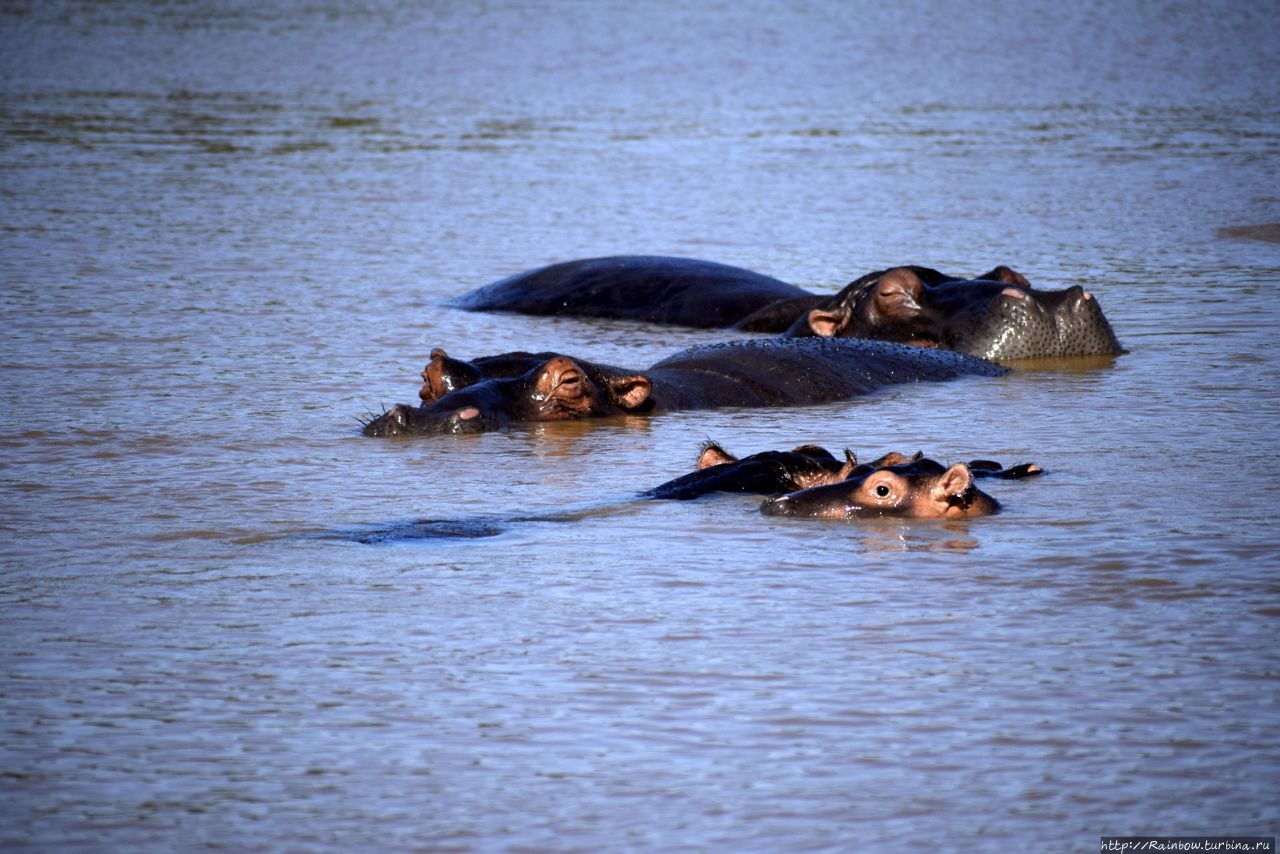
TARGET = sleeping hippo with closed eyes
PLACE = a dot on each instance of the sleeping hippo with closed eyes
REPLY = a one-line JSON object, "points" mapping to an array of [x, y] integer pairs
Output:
{"points": [[997, 315], [492, 393], [1001, 320]]}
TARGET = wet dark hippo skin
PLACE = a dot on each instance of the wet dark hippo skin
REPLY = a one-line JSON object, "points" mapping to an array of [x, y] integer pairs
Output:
{"points": [[997, 315], [765, 473], [527, 387], [1001, 318], [804, 467], [648, 288]]}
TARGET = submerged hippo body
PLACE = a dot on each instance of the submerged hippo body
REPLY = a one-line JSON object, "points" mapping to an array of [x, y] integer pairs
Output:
{"points": [[647, 288], [765, 473], [527, 387], [920, 489], [996, 315], [805, 467]]}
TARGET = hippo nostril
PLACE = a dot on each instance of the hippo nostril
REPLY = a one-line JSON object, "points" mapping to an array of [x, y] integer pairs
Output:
{"points": [[469, 413]]}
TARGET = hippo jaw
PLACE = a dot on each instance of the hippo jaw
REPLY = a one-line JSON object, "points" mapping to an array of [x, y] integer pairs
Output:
{"points": [[921, 489], [1024, 323], [404, 420]]}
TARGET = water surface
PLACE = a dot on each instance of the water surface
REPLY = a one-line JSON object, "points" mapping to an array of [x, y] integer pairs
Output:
{"points": [[231, 229]]}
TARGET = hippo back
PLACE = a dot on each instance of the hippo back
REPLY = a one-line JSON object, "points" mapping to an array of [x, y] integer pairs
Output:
{"points": [[653, 289], [797, 371]]}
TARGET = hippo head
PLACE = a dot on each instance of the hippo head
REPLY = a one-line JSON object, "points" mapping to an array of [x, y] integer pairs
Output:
{"points": [[919, 488], [891, 305], [556, 389], [1001, 318]]}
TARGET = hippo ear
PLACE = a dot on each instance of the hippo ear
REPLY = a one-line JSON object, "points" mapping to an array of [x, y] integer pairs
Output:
{"points": [[894, 458], [953, 481], [630, 392], [850, 463], [714, 455], [1006, 274], [435, 384], [443, 375], [828, 323]]}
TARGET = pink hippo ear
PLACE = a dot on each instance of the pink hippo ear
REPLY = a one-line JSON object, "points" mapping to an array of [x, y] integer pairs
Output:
{"points": [[1008, 275], [630, 392], [952, 482], [714, 455], [828, 323]]}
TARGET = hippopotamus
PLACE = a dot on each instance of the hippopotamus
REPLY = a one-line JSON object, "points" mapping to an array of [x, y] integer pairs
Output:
{"points": [[493, 392], [805, 467], [767, 473], [919, 489], [1002, 318], [996, 315]]}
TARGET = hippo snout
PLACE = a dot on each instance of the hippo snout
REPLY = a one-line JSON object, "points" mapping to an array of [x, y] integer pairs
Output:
{"points": [[396, 421], [468, 419], [780, 506]]}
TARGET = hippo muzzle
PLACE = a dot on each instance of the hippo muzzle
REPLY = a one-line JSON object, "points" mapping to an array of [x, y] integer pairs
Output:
{"points": [[1021, 323], [456, 417]]}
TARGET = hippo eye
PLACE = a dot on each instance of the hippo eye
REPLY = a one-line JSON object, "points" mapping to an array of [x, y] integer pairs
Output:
{"points": [[570, 384], [882, 490]]}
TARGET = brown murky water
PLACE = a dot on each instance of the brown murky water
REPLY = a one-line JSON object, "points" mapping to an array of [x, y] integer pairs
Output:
{"points": [[229, 229]]}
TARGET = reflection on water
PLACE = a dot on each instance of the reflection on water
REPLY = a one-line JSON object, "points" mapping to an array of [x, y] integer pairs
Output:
{"points": [[1269, 232], [231, 228]]}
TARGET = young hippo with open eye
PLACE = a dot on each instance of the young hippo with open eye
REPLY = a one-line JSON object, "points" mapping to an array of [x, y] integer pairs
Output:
{"points": [[921, 489], [776, 472]]}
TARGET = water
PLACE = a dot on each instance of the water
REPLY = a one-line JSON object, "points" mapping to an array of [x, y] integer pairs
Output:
{"points": [[229, 229]]}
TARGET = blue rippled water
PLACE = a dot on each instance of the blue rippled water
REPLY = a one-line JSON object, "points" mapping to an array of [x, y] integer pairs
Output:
{"points": [[231, 229]]}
